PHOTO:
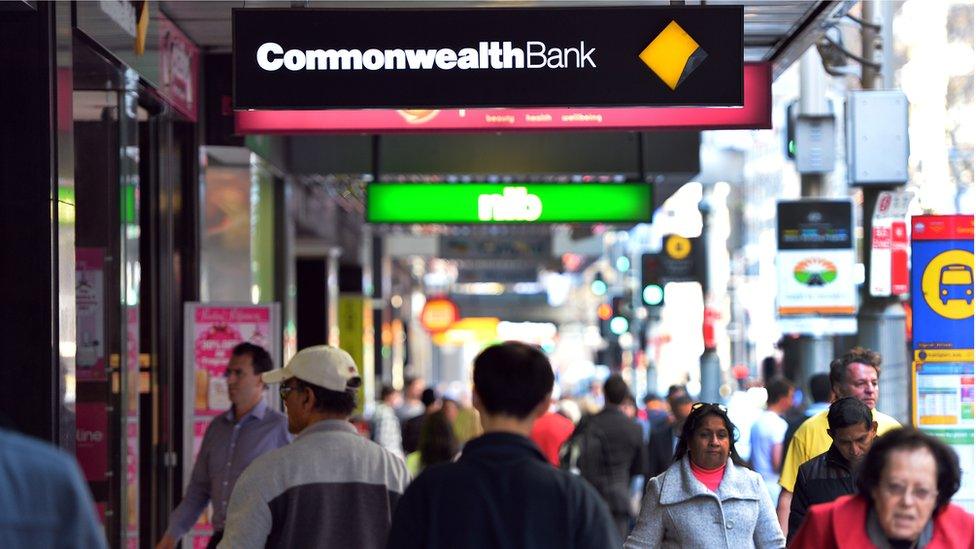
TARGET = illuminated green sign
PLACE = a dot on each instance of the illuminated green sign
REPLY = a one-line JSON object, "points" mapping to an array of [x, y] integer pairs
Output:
{"points": [[509, 203]]}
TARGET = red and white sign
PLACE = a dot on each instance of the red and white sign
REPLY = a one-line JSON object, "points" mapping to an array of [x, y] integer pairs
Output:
{"points": [[92, 439], [755, 113], [889, 245], [179, 60], [438, 314], [90, 305]]}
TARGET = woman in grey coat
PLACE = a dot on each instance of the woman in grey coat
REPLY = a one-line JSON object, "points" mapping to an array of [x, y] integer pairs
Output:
{"points": [[708, 498]]}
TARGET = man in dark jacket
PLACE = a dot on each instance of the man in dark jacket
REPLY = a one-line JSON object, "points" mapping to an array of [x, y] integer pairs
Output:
{"points": [[834, 473], [615, 453], [660, 446], [502, 492]]}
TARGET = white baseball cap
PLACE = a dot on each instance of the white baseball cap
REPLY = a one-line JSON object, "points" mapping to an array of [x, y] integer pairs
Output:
{"points": [[321, 365]]}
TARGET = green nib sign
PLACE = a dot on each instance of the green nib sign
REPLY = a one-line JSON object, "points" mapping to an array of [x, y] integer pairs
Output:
{"points": [[509, 203]]}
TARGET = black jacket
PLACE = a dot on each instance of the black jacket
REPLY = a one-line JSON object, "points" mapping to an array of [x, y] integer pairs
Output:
{"points": [[621, 459], [820, 480], [501, 493], [660, 451]]}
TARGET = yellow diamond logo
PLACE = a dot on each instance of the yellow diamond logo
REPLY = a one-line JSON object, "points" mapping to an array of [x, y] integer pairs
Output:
{"points": [[673, 55]]}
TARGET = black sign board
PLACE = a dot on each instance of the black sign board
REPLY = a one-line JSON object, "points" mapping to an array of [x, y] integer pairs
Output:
{"points": [[487, 57], [814, 224]]}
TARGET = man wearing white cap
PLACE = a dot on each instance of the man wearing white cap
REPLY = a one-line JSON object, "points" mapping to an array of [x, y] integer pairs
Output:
{"points": [[331, 487]]}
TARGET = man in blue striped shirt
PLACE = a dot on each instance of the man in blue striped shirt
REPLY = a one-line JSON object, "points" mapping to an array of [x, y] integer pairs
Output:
{"points": [[232, 441]]}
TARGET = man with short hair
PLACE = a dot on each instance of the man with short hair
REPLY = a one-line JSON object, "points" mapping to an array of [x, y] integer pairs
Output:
{"points": [[662, 442], [386, 426], [613, 452], [411, 406], [232, 441], [767, 434], [501, 492], [834, 473], [331, 487], [854, 374]]}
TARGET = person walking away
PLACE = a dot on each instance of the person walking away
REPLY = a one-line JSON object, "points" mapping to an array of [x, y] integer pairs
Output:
{"points": [[386, 425], [411, 427], [612, 451], [437, 443], [853, 374], [906, 483], [331, 487], [834, 473], [767, 434], [707, 497], [820, 392], [233, 440], [501, 491], [550, 432], [663, 441], [44, 500]]}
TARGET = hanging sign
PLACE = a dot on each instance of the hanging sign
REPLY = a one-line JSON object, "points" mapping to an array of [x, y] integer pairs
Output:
{"points": [[815, 264], [487, 57], [493, 203], [438, 314], [942, 337]]}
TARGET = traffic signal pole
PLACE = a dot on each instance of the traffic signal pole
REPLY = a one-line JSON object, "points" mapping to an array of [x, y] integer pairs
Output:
{"points": [[813, 351], [881, 320]]}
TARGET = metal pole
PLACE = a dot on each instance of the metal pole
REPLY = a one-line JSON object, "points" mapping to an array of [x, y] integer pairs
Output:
{"points": [[881, 320], [813, 351], [711, 368]]}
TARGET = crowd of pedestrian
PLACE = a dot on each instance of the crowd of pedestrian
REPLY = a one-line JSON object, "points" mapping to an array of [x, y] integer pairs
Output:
{"points": [[518, 467]]}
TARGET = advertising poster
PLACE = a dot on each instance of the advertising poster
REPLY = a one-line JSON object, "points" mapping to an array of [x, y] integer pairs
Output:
{"points": [[815, 264], [942, 337], [212, 330], [90, 304], [356, 338], [91, 445]]}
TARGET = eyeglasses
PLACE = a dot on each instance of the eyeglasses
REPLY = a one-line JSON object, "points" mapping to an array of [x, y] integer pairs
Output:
{"points": [[285, 389], [698, 405], [895, 490]]}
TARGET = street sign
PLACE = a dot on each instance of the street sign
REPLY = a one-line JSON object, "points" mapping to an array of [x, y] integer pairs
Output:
{"points": [[815, 265], [487, 57], [493, 203], [889, 244], [942, 337]]}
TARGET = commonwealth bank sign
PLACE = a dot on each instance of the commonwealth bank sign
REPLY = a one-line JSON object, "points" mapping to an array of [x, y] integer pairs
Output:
{"points": [[487, 57]]}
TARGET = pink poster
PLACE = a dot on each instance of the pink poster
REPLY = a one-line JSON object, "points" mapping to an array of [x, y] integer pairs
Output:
{"points": [[90, 304], [179, 59], [91, 446], [216, 330]]}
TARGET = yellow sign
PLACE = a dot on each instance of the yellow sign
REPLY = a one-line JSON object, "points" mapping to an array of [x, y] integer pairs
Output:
{"points": [[947, 284], [356, 338], [673, 55], [677, 247]]}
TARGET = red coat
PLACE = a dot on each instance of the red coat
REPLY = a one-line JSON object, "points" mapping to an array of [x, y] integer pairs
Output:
{"points": [[550, 432], [841, 524]]}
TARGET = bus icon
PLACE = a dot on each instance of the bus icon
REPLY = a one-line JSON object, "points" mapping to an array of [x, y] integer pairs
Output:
{"points": [[956, 282]]}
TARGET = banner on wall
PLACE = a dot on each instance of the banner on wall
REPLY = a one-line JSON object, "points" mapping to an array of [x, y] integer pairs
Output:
{"points": [[942, 337], [356, 338], [815, 262], [211, 331], [90, 305]]}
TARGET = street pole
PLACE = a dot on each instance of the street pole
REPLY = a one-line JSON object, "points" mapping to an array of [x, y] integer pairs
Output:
{"points": [[710, 366], [814, 351], [881, 320]]}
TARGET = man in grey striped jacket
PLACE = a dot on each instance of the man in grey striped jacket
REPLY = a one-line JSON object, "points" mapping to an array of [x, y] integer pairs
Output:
{"points": [[331, 487]]}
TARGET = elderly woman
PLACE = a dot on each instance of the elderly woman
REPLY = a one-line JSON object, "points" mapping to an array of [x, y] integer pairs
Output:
{"points": [[707, 498], [904, 488]]}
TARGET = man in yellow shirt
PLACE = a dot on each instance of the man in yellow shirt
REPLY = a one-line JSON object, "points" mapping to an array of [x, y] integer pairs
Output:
{"points": [[854, 374]]}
